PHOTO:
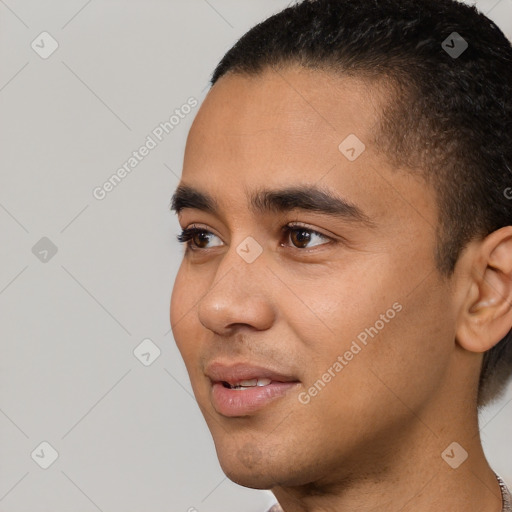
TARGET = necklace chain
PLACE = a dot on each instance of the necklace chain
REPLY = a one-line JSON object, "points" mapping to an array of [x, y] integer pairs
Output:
{"points": [[505, 495]]}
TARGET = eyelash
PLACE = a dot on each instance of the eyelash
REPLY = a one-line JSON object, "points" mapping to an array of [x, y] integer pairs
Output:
{"points": [[188, 234]]}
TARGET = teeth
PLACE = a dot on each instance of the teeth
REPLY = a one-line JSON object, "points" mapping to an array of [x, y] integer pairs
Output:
{"points": [[248, 383], [251, 383]]}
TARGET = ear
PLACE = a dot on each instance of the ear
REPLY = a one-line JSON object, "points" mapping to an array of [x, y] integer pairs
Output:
{"points": [[486, 316]]}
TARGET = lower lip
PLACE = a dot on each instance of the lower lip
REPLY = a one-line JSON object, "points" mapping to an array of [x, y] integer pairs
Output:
{"points": [[241, 402]]}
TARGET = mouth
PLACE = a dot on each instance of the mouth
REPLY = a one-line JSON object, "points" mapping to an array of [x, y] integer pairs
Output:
{"points": [[242, 390], [245, 375], [247, 384]]}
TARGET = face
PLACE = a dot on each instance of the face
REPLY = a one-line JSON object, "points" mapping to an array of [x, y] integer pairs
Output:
{"points": [[325, 311]]}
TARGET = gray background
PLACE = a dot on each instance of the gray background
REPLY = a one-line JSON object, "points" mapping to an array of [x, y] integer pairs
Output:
{"points": [[129, 437]]}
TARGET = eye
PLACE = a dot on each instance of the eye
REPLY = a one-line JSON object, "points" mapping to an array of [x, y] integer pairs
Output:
{"points": [[197, 238], [301, 235]]}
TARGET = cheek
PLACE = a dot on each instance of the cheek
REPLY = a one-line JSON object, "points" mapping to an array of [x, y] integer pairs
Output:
{"points": [[177, 308], [390, 325], [421, 340], [408, 359], [328, 309], [183, 312]]}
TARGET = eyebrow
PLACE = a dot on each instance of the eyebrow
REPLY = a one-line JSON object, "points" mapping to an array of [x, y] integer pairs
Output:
{"points": [[302, 197]]}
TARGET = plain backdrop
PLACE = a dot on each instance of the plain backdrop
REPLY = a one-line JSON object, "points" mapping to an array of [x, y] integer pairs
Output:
{"points": [[88, 364]]}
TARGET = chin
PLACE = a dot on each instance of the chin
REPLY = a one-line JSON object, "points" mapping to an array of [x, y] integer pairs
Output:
{"points": [[251, 480], [246, 465], [264, 477]]}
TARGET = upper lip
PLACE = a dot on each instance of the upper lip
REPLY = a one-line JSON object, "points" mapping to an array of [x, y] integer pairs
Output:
{"points": [[237, 372]]}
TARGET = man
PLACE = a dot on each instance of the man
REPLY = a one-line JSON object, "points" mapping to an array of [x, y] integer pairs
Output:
{"points": [[344, 301]]}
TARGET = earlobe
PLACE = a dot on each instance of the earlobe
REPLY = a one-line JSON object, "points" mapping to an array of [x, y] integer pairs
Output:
{"points": [[487, 314]]}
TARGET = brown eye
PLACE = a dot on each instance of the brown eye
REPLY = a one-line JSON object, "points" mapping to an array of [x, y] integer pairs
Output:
{"points": [[201, 239], [196, 238], [300, 236]]}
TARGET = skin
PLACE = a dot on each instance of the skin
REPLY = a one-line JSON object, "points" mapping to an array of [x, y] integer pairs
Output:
{"points": [[372, 438]]}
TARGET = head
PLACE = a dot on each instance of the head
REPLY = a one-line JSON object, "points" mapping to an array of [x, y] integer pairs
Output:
{"points": [[348, 179]]}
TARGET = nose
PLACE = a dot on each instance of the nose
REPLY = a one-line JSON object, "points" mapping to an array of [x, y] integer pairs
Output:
{"points": [[240, 294]]}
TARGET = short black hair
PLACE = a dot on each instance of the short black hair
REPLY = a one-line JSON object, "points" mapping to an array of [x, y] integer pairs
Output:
{"points": [[449, 115]]}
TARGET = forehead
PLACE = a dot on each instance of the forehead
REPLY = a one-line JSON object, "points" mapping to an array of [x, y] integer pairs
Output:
{"points": [[284, 127], [290, 113]]}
